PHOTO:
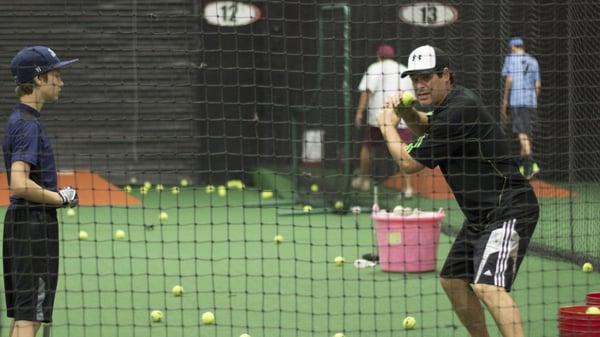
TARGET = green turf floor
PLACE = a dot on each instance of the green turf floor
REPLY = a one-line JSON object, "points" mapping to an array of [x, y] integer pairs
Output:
{"points": [[224, 256]]}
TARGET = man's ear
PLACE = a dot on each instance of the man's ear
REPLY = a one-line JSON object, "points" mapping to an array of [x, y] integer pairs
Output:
{"points": [[446, 73]]}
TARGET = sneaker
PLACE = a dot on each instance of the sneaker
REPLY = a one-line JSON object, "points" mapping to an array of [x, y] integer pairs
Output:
{"points": [[535, 169], [371, 257]]}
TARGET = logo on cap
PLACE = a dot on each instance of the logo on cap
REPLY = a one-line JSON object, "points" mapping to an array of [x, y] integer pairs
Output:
{"points": [[426, 59]]}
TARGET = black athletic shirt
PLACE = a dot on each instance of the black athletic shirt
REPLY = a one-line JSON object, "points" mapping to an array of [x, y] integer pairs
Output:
{"points": [[25, 139], [474, 155]]}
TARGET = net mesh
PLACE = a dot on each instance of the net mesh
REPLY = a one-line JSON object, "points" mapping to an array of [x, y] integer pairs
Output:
{"points": [[240, 116]]}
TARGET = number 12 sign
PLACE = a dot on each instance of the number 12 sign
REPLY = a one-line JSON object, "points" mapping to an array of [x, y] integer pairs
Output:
{"points": [[231, 13], [428, 14]]}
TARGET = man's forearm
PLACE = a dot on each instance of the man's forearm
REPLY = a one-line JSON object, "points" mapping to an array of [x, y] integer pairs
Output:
{"points": [[397, 148], [415, 120], [507, 87], [362, 103]]}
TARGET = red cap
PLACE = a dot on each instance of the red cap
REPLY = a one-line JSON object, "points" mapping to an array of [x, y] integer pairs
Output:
{"points": [[385, 51]]}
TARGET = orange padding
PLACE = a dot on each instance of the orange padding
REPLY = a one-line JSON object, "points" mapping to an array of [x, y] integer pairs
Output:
{"points": [[431, 184], [93, 190]]}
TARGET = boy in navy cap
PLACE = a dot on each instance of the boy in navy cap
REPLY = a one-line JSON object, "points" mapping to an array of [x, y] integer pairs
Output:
{"points": [[522, 87], [30, 250]]}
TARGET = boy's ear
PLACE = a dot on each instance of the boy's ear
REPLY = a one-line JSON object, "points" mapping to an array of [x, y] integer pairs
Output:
{"points": [[37, 81]]}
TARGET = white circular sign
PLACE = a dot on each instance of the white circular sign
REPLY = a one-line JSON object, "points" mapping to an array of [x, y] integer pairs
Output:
{"points": [[428, 14], [231, 13]]}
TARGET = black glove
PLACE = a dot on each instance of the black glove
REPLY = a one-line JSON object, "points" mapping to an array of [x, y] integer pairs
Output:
{"points": [[69, 196]]}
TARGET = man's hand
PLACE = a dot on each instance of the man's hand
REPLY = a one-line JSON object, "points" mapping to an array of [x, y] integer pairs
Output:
{"points": [[393, 101], [69, 196], [358, 120]]}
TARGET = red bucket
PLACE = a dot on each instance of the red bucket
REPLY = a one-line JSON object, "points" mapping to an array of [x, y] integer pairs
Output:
{"points": [[574, 322], [592, 299], [408, 243]]}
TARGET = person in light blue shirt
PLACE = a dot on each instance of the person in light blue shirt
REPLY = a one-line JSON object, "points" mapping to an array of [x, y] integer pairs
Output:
{"points": [[522, 86]]}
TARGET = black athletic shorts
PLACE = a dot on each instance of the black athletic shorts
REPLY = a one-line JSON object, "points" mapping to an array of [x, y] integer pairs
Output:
{"points": [[521, 119], [491, 253], [30, 257]]}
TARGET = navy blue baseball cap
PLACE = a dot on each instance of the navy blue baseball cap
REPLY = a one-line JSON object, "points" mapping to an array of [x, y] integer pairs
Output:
{"points": [[34, 61], [515, 41]]}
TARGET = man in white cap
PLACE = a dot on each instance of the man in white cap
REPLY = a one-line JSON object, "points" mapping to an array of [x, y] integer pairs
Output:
{"points": [[501, 211]]}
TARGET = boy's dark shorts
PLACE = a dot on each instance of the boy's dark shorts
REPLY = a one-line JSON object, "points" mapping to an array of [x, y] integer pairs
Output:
{"points": [[521, 119], [30, 257]]}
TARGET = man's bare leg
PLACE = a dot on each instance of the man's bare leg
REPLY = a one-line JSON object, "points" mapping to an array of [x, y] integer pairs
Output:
{"points": [[503, 308], [466, 304], [24, 328]]}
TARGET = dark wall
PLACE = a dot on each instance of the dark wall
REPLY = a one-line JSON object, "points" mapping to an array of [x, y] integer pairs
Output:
{"points": [[476, 43], [161, 93]]}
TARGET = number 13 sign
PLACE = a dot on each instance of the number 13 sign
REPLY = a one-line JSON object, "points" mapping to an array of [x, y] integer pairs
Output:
{"points": [[428, 14]]}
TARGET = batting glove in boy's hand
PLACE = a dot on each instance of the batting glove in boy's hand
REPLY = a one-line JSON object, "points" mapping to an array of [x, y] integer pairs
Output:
{"points": [[69, 196]]}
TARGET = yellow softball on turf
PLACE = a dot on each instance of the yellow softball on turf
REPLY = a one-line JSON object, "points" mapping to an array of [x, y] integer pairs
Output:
{"points": [[156, 316], [307, 208], [174, 190], [83, 235], [587, 267], [70, 212], [339, 261], [160, 187], [339, 334], [177, 290], [184, 182], [409, 323], [314, 188], [266, 194], [208, 318], [127, 189], [164, 216], [120, 234], [278, 239]]}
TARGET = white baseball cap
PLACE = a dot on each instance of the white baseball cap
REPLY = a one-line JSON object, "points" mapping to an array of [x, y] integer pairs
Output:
{"points": [[426, 59]]}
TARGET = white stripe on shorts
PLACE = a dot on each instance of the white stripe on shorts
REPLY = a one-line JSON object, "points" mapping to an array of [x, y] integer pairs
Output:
{"points": [[504, 253], [505, 242]]}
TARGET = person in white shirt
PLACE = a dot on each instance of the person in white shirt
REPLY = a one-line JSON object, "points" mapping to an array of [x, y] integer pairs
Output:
{"points": [[381, 81]]}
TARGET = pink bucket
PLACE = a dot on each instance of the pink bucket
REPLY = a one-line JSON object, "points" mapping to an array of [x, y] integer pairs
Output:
{"points": [[408, 243]]}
